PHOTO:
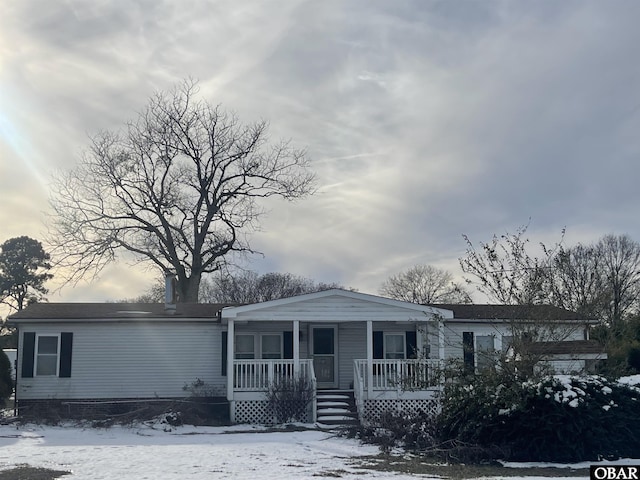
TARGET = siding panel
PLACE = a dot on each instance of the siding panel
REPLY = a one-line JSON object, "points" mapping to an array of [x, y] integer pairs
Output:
{"points": [[132, 360]]}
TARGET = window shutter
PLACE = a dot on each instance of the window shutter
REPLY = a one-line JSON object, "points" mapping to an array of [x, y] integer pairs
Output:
{"points": [[28, 352], [287, 344], [224, 354], [378, 345], [412, 344], [468, 353], [66, 348]]}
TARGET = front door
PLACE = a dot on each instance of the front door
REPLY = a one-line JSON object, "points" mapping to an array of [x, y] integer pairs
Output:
{"points": [[325, 362]]}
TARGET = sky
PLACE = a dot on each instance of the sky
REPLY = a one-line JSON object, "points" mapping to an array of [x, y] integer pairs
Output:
{"points": [[424, 120]]}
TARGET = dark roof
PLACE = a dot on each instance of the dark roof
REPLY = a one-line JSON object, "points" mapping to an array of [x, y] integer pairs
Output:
{"points": [[60, 311], [509, 312], [566, 347]]}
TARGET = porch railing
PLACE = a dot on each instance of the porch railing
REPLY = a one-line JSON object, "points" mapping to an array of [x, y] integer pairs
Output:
{"points": [[397, 374], [257, 375]]}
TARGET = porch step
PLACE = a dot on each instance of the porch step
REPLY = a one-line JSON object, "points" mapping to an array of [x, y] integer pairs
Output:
{"points": [[336, 408]]}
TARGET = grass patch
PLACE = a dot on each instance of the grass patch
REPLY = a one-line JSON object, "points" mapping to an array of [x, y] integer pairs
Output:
{"points": [[424, 466], [26, 472]]}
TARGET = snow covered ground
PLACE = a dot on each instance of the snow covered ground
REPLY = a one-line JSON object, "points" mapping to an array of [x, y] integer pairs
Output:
{"points": [[148, 452], [185, 452]]}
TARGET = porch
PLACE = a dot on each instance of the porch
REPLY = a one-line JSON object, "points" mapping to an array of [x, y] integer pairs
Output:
{"points": [[338, 340], [378, 385]]}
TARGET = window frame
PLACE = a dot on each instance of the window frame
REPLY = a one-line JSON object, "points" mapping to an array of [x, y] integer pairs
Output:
{"points": [[385, 351], [258, 353], [235, 346], [280, 346], [37, 355], [483, 360]]}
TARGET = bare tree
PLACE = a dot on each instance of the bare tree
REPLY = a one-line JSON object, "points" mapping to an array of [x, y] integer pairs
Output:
{"points": [[599, 280], [506, 272], [577, 281], [245, 287], [178, 189], [424, 284], [620, 257]]}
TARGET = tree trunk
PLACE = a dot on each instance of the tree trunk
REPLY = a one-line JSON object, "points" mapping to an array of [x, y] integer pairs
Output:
{"points": [[189, 288]]}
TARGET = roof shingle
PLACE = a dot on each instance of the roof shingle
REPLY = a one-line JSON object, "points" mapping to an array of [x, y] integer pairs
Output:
{"points": [[60, 311]]}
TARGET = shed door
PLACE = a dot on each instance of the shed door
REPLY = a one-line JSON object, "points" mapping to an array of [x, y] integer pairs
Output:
{"points": [[325, 360]]}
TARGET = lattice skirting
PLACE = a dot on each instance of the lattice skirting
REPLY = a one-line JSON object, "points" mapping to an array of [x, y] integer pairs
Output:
{"points": [[257, 412], [374, 408]]}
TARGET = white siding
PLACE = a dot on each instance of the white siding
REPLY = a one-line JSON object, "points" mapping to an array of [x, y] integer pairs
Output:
{"points": [[453, 334], [352, 341], [352, 345], [333, 309], [130, 360], [348, 314]]}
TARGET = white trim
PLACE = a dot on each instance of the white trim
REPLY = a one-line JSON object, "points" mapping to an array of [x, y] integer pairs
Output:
{"points": [[257, 344], [521, 321], [36, 354], [477, 353], [369, 358], [150, 318], [261, 349], [404, 344], [231, 340], [441, 340], [296, 347], [336, 354], [232, 312]]}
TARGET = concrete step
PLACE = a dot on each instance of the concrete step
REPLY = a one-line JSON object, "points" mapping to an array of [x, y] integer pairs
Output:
{"points": [[336, 408]]}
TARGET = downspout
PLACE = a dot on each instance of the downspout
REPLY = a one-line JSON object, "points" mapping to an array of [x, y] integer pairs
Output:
{"points": [[15, 383], [230, 368], [369, 359]]}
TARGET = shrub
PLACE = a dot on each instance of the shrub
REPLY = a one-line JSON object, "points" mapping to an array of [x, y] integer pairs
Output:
{"points": [[201, 389], [205, 405], [6, 381], [288, 399], [633, 358], [557, 418], [413, 431]]}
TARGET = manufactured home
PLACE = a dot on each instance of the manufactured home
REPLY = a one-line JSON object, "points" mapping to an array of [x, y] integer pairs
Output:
{"points": [[380, 353]]}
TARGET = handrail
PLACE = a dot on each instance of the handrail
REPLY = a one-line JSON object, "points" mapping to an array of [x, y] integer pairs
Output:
{"points": [[358, 388], [314, 385], [257, 375], [398, 374]]}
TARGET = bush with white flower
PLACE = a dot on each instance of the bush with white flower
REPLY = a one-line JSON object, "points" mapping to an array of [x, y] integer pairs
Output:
{"points": [[557, 418]]}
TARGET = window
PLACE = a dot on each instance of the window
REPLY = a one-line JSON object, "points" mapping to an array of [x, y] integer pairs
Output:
{"points": [[271, 346], [468, 352], [485, 352], [267, 346], [394, 346], [245, 347], [47, 348], [46, 355], [507, 341]]}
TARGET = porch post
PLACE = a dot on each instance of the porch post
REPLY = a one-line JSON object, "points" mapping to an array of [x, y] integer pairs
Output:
{"points": [[296, 348], [230, 367], [369, 358], [420, 333], [441, 340]]}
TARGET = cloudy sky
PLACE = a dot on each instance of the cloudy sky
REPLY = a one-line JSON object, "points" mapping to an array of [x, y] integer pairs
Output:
{"points": [[424, 119]]}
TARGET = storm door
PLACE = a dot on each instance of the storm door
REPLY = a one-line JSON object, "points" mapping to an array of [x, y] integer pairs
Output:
{"points": [[324, 351]]}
